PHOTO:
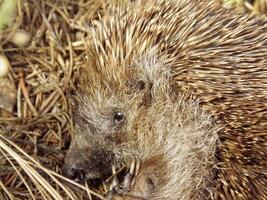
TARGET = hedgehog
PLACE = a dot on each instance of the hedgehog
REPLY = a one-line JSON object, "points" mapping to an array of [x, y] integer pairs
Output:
{"points": [[181, 87]]}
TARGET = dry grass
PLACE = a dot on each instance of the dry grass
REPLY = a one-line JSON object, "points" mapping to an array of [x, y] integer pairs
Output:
{"points": [[35, 136]]}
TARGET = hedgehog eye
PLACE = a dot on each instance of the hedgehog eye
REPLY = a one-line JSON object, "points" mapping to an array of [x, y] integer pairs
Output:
{"points": [[118, 117]]}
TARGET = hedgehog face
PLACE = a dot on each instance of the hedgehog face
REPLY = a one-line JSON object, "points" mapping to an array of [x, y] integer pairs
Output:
{"points": [[103, 121], [107, 112]]}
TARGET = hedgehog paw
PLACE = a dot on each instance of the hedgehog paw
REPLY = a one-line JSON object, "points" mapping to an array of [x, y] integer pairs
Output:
{"points": [[138, 184], [118, 190]]}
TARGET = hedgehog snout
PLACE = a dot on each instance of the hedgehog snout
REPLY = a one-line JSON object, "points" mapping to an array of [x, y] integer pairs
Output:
{"points": [[82, 165], [74, 172]]}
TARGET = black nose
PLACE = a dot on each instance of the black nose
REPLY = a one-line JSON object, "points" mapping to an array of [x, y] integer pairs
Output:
{"points": [[74, 172]]}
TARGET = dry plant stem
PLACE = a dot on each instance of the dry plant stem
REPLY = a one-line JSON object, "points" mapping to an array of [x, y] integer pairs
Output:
{"points": [[36, 164], [88, 191], [26, 94], [6, 191], [19, 106], [19, 174], [49, 102], [40, 147], [38, 180], [66, 18]]}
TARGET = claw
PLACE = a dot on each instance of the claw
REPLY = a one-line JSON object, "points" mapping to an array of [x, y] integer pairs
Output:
{"points": [[129, 178], [132, 167], [137, 166], [128, 181], [115, 182]]}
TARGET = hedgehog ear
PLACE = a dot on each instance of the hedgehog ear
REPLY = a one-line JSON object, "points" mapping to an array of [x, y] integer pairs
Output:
{"points": [[145, 86], [154, 73], [139, 85]]}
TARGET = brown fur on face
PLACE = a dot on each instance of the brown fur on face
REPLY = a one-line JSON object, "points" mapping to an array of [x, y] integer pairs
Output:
{"points": [[177, 49]]}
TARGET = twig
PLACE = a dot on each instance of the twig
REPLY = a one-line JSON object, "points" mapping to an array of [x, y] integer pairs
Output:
{"points": [[25, 94]]}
